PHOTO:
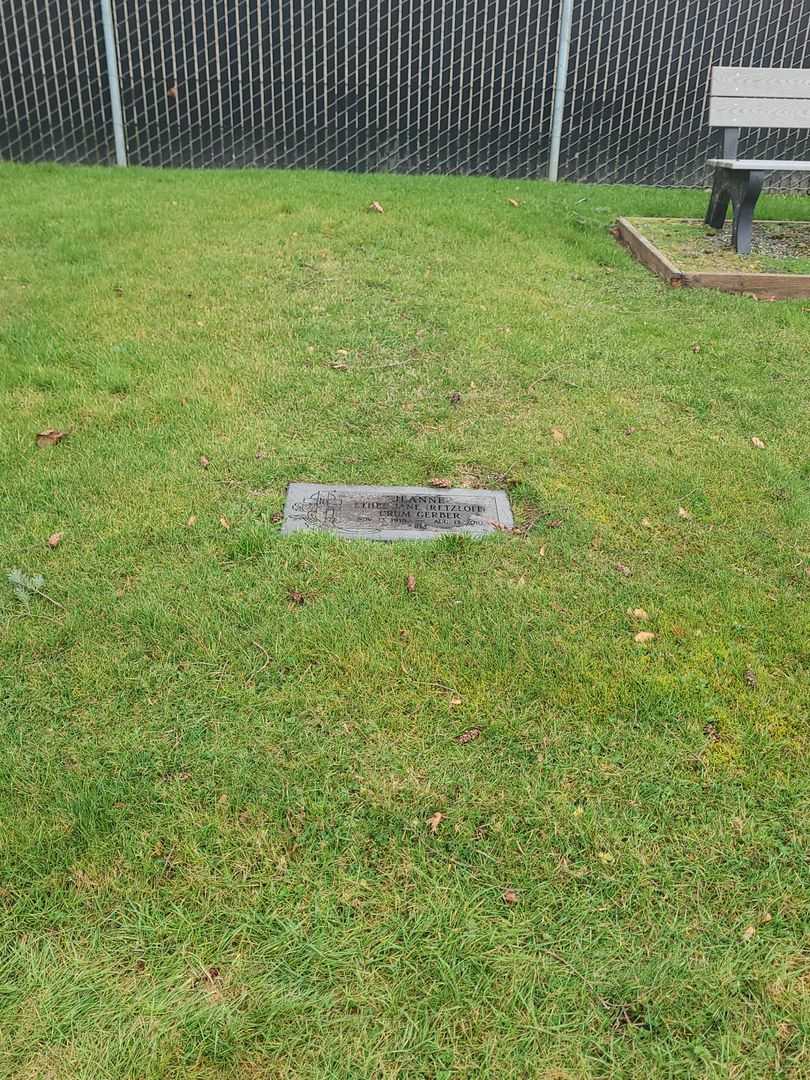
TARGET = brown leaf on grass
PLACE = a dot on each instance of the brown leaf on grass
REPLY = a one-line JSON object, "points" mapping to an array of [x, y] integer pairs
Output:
{"points": [[509, 896], [375, 208], [541, 551], [558, 435], [643, 636], [638, 613], [339, 366], [441, 482], [224, 522], [748, 933], [757, 442], [711, 732], [192, 521], [683, 513], [204, 462], [622, 569], [296, 597], [410, 583], [696, 347], [276, 517], [513, 202], [646, 523], [469, 735], [434, 821], [455, 398], [50, 437], [555, 523], [404, 634], [455, 701], [210, 981], [750, 678], [630, 430], [55, 539]]}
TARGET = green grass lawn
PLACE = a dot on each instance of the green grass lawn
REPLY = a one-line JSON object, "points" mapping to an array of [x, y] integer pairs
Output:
{"points": [[216, 858]]}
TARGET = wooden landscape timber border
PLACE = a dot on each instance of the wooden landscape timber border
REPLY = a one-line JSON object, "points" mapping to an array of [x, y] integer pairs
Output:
{"points": [[772, 286]]}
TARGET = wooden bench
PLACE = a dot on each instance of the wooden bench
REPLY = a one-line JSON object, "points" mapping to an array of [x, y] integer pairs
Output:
{"points": [[751, 97]]}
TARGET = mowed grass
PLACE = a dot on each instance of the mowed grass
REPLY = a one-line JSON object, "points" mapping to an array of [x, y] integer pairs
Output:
{"points": [[216, 856]]}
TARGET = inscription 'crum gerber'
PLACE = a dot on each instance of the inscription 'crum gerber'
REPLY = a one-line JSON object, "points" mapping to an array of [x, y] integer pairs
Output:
{"points": [[394, 513]]}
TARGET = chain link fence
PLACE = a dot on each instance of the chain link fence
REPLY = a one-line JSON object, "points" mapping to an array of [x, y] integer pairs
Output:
{"points": [[54, 92], [637, 87], [448, 86]]}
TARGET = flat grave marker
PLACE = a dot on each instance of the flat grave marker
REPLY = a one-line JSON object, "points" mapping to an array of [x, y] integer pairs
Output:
{"points": [[371, 512]]}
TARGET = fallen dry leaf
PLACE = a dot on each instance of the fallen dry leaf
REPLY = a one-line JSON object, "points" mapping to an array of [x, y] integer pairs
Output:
{"points": [[455, 701], [696, 347], [558, 435], [643, 636], [469, 735], [509, 896], [224, 522], [622, 569], [757, 442], [555, 523], [210, 981], [748, 933], [711, 732], [630, 430], [50, 437], [683, 513], [434, 821], [204, 462], [54, 540], [542, 551], [638, 613], [750, 678], [375, 208], [339, 366], [646, 523], [192, 521], [410, 583], [295, 597], [513, 202], [441, 482]]}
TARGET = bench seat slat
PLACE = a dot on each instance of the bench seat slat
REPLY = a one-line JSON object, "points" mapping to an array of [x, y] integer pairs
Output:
{"points": [[762, 166]]}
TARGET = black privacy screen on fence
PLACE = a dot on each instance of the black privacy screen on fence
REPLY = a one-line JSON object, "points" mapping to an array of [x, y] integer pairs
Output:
{"points": [[447, 86]]}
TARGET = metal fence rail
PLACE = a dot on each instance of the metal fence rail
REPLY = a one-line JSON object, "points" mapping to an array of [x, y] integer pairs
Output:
{"points": [[445, 86]]}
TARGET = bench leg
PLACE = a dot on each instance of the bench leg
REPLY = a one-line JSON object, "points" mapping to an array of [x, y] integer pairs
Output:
{"points": [[718, 201], [747, 195], [741, 188]]}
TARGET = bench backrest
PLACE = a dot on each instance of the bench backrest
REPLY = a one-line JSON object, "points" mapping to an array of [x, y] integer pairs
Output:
{"points": [[760, 97]]}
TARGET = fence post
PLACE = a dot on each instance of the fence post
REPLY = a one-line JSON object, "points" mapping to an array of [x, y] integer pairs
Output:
{"points": [[113, 79], [560, 80]]}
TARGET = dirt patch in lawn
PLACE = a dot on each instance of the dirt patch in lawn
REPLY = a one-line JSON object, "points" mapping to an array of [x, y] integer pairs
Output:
{"points": [[781, 247]]}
